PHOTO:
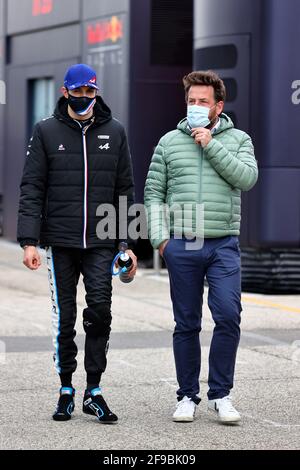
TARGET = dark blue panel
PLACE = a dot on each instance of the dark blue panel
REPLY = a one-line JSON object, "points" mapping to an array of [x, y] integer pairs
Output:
{"points": [[278, 208], [280, 108]]}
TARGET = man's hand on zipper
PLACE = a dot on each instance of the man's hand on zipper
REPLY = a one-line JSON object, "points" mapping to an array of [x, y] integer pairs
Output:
{"points": [[202, 136]]}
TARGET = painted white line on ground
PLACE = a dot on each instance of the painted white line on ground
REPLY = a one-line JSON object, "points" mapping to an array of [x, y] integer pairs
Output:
{"points": [[265, 339], [168, 380], [272, 423]]}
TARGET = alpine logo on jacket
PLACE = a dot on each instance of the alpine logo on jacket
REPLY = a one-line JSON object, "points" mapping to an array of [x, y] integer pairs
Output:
{"points": [[61, 148], [104, 147]]}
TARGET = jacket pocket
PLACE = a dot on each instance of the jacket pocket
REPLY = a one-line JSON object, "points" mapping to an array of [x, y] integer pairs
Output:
{"points": [[167, 247]]}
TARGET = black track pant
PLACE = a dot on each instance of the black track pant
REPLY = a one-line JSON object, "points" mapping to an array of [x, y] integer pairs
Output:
{"points": [[64, 268]]}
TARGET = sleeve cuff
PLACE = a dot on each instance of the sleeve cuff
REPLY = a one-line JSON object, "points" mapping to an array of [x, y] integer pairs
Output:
{"points": [[28, 242]]}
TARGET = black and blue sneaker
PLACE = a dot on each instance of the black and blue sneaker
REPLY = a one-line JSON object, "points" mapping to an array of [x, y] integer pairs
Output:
{"points": [[65, 405], [94, 404]]}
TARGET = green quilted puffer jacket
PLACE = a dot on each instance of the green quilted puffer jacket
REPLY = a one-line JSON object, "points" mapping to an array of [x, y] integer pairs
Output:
{"points": [[184, 177]]}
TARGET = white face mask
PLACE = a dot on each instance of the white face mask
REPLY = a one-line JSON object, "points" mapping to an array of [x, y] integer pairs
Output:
{"points": [[197, 116]]}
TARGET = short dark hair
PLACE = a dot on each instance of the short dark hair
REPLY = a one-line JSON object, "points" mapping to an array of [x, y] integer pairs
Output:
{"points": [[208, 78]]}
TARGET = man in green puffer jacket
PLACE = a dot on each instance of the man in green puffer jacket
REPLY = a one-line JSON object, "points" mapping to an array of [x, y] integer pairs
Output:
{"points": [[193, 202]]}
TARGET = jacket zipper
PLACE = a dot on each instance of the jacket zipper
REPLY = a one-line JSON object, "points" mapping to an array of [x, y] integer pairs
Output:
{"points": [[201, 175], [85, 197]]}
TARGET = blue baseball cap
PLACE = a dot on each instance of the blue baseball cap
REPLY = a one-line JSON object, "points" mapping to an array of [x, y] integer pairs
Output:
{"points": [[80, 75]]}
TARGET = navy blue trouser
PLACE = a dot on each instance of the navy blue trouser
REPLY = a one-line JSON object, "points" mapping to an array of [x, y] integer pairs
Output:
{"points": [[219, 261]]}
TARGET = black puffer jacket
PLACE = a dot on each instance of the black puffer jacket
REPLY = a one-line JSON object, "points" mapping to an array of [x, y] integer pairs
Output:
{"points": [[68, 174]]}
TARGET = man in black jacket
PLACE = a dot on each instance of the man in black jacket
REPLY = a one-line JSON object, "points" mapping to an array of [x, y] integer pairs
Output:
{"points": [[77, 160]]}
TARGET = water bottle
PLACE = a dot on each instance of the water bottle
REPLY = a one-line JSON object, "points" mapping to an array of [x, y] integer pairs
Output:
{"points": [[124, 263]]}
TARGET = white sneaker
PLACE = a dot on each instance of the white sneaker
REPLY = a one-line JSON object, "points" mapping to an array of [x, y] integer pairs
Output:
{"points": [[185, 410], [225, 410]]}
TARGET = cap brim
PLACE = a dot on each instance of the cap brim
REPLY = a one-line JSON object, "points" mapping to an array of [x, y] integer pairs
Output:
{"points": [[78, 85]]}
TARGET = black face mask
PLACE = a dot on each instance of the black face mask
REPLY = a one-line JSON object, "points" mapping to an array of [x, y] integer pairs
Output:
{"points": [[81, 105]]}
